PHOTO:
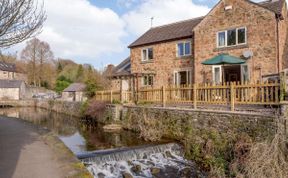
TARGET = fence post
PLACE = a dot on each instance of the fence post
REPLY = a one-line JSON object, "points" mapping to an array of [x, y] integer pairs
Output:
{"points": [[282, 86], [195, 96], [232, 95], [163, 96], [111, 96]]}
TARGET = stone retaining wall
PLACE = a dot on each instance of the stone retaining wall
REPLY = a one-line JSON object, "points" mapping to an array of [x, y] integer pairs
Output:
{"points": [[65, 107], [175, 120]]}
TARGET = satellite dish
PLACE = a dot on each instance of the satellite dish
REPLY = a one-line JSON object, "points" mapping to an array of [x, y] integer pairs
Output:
{"points": [[247, 54]]}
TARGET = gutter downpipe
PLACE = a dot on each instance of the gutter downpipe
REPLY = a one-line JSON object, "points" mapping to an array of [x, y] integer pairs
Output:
{"points": [[278, 43]]}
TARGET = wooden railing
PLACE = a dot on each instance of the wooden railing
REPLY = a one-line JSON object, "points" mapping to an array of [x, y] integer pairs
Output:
{"points": [[201, 94]]}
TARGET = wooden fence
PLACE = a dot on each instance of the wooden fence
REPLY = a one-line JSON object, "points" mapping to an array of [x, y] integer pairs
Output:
{"points": [[225, 94]]}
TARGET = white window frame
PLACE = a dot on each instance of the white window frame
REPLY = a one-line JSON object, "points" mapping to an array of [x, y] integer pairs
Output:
{"points": [[213, 73], [226, 37], [143, 80], [183, 42], [147, 54], [242, 72], [176, 76]]}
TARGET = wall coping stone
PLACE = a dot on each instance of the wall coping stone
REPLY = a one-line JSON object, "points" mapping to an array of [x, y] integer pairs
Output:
{"points": [[201, 110]]}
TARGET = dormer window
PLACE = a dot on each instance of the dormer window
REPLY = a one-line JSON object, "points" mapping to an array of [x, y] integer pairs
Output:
{"points": [[147, 54], [232, 37]]}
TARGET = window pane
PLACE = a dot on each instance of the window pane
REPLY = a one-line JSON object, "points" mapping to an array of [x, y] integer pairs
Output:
{"points": [[241, 36], [187, 48], [231, 35], [144, 54], [221, 39], [245, 73], [217, 75], [150, 82], [180, 49], [150, 53]]}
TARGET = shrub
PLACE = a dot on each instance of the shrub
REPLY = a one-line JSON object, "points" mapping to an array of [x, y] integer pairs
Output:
{"points": [[268, 159], [95, 109]]}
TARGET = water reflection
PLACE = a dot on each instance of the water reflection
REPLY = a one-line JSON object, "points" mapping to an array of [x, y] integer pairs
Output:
{"points": [[79, 135]]}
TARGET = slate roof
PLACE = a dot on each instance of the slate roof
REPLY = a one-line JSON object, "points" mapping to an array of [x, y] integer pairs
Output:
{"points": [[178, 30], [184, 29], [7, 67], [10, 83], [123, 69], [75, 87], [273, 5]]}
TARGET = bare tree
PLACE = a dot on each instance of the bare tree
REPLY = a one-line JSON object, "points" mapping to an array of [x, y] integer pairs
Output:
{"points": [[19, 20], [36, 53]]}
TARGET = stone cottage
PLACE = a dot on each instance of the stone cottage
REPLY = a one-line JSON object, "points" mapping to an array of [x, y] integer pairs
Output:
{"points": [[175, 54], [8, 71], [74, 92], [121, 76], [12, 89]]}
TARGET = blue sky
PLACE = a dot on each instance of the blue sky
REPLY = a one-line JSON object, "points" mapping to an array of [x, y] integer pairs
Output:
{"points": [[98, 31]]}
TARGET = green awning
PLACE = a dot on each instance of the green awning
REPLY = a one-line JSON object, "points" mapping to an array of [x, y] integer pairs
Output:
{"points": [[223, 59]]}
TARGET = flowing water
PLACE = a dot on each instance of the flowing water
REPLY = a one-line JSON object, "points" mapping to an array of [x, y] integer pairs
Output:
{"points": [[110, 154]]}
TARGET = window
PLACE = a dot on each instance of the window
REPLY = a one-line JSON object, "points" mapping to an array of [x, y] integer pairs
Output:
{"points": [[182, 77], [147, 54], [245, 73], [221, 39], [147, 80], [241, 35], [184, 49], [232, 37], [217, 74]]}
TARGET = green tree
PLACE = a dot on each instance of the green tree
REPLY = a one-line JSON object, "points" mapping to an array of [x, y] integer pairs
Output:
{"points": [[59, 67], [80, 72], [61, 83], [91, 87]]}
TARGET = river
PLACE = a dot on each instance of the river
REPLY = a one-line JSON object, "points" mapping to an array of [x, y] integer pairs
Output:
{"points": [[110, 154]]}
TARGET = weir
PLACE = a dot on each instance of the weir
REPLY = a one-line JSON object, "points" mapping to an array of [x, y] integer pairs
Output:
{"points": [[166, 160], [126, 154]]}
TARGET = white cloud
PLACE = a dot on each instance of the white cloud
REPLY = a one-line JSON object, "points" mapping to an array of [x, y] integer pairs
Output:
{"points": [[77, 28], [163, 11]]}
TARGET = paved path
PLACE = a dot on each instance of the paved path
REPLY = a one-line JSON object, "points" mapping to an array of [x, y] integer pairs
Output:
{"points": [[23, 154]]}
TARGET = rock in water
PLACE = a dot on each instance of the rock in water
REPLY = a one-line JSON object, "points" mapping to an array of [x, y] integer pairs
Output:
{"points": [[127, 175], [155, 170], [101, 175], [112, 127], [185, 172], [136, 169]]}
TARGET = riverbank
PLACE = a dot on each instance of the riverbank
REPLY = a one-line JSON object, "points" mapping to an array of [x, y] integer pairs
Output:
{"points": [[28, 151], [221, 142]]}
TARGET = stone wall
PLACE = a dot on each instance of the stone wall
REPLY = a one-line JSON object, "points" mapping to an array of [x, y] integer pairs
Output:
{"points": [[261, 38], [283, 40], [9, 93], [174, 122], [12, 76], [163, 65], [65, 107]]}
